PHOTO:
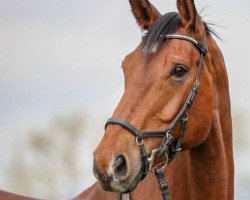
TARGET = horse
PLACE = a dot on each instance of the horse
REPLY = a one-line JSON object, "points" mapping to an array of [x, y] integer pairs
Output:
{"points": [[173, 118], [170, 136]]}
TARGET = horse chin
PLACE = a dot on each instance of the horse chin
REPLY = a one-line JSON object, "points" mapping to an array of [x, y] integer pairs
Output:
{"points": [[112, 187], [129, 185], [124, 186]]}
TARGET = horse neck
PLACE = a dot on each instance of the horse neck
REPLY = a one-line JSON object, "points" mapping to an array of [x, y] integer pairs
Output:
{"points": [[221, 128], [206, 172]]}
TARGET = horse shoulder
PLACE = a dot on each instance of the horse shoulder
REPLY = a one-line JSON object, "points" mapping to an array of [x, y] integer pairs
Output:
{"points": [[9, 196], [94, 192]]}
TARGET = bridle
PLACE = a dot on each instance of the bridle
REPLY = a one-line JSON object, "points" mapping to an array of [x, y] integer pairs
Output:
{"points": [[167, 144], [168, 141]]}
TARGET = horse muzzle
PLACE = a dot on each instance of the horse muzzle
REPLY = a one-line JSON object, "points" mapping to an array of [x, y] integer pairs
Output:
{"points": [[118, 177]]}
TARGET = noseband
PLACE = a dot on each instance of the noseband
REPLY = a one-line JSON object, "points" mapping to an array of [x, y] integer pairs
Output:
{"points": [[168, 144]]}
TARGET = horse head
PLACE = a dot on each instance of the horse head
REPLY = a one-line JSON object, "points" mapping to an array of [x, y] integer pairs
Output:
{"points": [[175, 60]]}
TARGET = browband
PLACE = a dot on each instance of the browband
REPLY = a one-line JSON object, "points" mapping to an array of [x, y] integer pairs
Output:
{"points": [[198, 45]]}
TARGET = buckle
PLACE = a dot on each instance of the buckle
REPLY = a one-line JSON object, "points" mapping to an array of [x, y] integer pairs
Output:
{"points": [[167, 141], [151, 159]]}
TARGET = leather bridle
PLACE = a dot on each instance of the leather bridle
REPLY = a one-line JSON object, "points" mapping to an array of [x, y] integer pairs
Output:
{"points": [[167, 147]]}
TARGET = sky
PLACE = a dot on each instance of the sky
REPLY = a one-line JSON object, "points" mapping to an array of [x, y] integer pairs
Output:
{"points": [[62, 56]]}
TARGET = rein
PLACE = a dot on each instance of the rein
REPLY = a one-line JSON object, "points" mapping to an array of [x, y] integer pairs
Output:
{"points": [[168, 140]]}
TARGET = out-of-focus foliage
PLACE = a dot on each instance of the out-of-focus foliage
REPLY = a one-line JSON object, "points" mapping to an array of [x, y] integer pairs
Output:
{"points": [[49, 163]]}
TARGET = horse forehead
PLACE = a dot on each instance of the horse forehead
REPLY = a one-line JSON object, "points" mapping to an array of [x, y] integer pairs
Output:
{"points": [[135, 56], [133, 65], [179, 48], [173, 51]]}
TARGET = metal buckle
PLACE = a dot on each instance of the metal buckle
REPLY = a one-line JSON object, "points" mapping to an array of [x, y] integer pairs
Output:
{"points": [[139, 141], [184, 117], [167, 141], [151, 159]]}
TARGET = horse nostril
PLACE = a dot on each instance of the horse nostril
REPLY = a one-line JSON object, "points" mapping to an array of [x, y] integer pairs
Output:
{"points": [[120, 167]]}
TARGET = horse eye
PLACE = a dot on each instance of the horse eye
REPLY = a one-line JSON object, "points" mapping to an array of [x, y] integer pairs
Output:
{"points": [[179, 71]]}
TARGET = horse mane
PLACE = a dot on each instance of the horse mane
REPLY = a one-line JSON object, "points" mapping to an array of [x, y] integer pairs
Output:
{"points": [[166, 24]]}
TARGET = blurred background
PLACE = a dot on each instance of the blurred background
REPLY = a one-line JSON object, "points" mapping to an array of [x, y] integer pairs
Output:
{"points": [[60, 79]]}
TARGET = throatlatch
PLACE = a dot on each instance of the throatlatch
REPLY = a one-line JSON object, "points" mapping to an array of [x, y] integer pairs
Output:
{"points": [[167, 145]]}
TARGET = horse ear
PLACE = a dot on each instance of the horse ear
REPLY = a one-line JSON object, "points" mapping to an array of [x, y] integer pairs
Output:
{"points": [[145, 13], [190, 19]]}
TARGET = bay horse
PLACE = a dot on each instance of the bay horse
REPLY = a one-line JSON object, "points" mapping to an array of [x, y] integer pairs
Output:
{"points": [[174, 118], [160, 115]]}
